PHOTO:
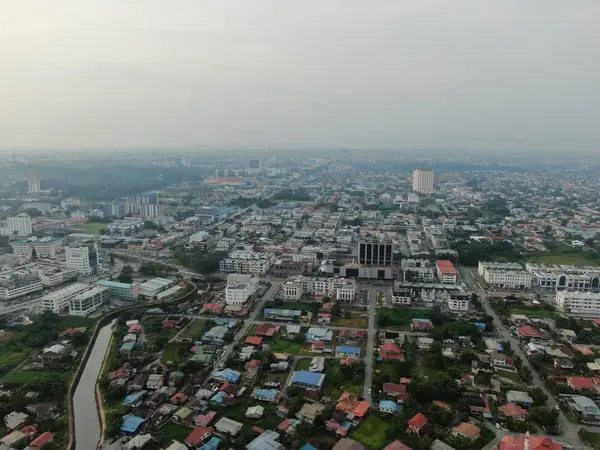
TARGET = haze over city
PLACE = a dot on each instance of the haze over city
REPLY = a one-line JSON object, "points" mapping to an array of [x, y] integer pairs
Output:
{"points": [[486, 76]]}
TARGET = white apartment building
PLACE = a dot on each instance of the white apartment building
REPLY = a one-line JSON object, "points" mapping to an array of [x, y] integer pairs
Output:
{"points": [[423, 181], [504, 275], [340, 289], [240, 288], [484, 266], [241, 261], [47, 247], [587, 303], [400, 297], [19, 288], [458, 304], [565, 277], [60, 300], [56, 276], [22, 248], [89, 301], [20, 225], [83, 258]]}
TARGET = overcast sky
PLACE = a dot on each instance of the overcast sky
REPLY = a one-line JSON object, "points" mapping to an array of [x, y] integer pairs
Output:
{"points": [[291, 74]]}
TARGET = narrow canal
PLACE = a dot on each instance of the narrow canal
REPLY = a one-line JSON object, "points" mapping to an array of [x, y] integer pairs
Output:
{"points": [[87, 421]]}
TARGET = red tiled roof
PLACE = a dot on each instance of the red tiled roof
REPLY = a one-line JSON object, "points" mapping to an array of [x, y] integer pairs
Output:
{"points": [[395, 389], [581, 383], [284, 425], [535, 443], [257, 430], [205, 419], [266, 329], [41, 440], [511, 410], [441, 404], [583, 349], [134, 327], [529, 331], [213, 306], [418, 421], [194, 438], [252, 363], [446, 267], [361, 409], [390, 350], [254, 340]]}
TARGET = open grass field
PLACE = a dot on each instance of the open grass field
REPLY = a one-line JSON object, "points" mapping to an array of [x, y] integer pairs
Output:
{"points": [[194, 329], [353, 322], [175, 431], [533, 312], [372, 432], [280, 345], [303, 364], [400, 318], [512, 376], [76, 322], [30, 377], [566, 259], [12, 359], [91, 228], [333, 385], [175, 352]]}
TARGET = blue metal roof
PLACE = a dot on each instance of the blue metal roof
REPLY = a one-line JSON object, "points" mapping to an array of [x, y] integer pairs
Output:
{"points": [[310, 378], [308, 446], [388, 404], [131, 424], [347, 349]]}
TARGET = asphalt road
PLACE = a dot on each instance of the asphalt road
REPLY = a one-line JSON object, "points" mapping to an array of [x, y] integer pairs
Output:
{"points": [[371, 337]]}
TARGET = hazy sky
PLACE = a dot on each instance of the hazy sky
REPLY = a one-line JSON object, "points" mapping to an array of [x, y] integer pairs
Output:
{"points": [[280, 73]]}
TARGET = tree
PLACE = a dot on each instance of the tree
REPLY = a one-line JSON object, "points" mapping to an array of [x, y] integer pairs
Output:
{"points": [[103, 231], [546, 417], [149, 225], [34, 212]]}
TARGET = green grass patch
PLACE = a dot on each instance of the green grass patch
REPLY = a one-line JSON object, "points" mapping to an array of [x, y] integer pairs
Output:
{"points": [[280, 345], [195, 329], [303, 364], [544, 313], [558, 258], [175, 352], [356, 322], [12, 359], [76, 322], [91, 228], [400, 318], [512, 376], [372, 432], [335, 385], [30, 377], [175, 431]]}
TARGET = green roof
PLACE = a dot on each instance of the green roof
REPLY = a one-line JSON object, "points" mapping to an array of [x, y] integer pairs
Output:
{"points": [[116, 284]]}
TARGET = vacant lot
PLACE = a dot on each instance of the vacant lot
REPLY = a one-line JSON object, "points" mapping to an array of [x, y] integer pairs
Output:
{"points": [[280, 345], [353, 322], [303, 364], [175, 431], [335, 384], [91, 228], [576, 258], [76, 322], [194, 329], [29, 377], [372, 432], [400, 318], [533, 312], [175, 352]]}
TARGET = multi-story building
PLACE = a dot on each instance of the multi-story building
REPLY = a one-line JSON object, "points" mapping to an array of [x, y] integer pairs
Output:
{"points": [[55, 276], [446, 272], [83, 257], [89, 301], [153, 287], [59, 301], [286, 266], [404, 292], [423, 181], [22, 248], [121, 290], [144, 205], [47, 247], [241, 261], [114, 209], [458, 304], [19, 225], [585, 303], [504, 275], [400, 296], [19, 283], [564, 277], [340, 289], [375, 252], [238, 293]]}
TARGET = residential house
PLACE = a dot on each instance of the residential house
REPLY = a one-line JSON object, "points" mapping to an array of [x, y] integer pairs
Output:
{"points": [[310, 411], [226, 425], [421, 325], [390, 351], [424, 343], [395, 390], [519, 398], [513, 411], [267, 440], [467, 430], [308, 380], [417, 423], [581, 384], [390, 407], [528, 442], [255, 412], [346, 351], [397, 445], [15, 420], [585, 408], [348, 444], [155, 381], [198, 435]]}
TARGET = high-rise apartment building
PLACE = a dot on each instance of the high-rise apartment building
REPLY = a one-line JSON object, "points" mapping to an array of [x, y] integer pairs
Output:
{"points": [[144, 205], [83, 257], [377, 253], [423, 181], [254, 164], [19, 225]]}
